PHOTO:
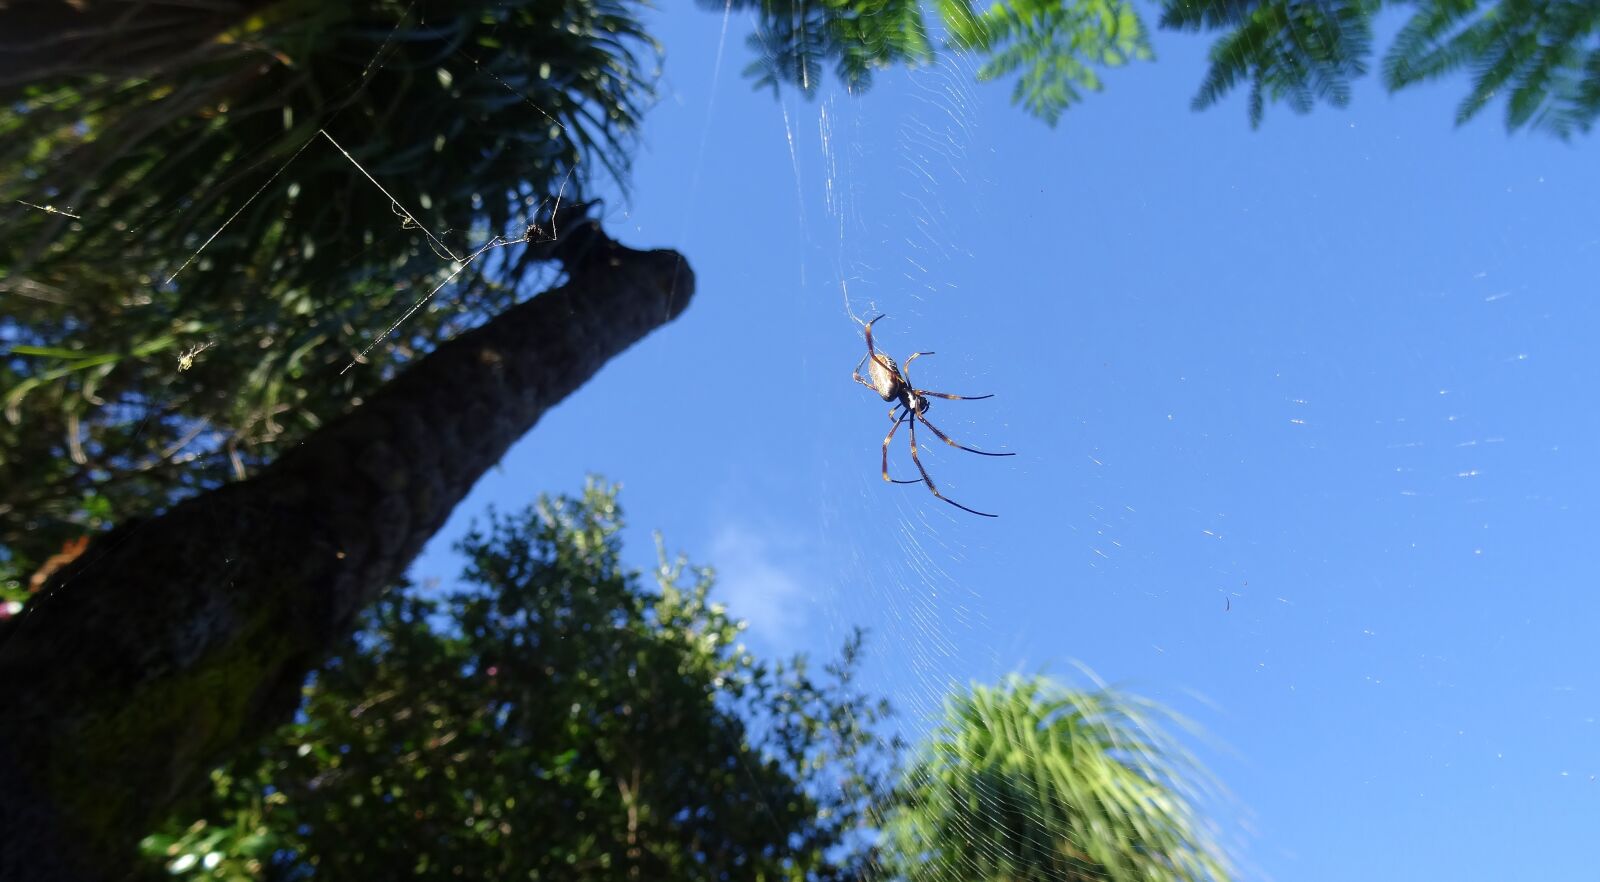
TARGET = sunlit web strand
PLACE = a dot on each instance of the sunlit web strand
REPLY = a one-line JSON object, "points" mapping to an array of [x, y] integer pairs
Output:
{"points": [[512, 89], [239, 211], [705, 125], [496, 242], [48, 209], [366, 72], [411, 218]]}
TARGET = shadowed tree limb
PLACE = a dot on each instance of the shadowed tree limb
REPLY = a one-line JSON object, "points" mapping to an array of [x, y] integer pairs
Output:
{"points": [[172, 642]]}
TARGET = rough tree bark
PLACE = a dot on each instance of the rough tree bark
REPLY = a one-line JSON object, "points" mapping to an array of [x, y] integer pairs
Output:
{"points": [[170, 643]]}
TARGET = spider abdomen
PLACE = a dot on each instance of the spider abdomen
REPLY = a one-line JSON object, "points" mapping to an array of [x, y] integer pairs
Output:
{"points": [[885, 378]]}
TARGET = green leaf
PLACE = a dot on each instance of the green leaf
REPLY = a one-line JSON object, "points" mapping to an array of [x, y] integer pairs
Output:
{"points": [[1297, 51]]}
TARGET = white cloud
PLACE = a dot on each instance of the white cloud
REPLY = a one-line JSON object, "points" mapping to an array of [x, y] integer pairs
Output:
{"points": [[761, 584]]}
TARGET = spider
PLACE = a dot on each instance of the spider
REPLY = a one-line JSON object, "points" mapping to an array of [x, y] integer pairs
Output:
{"points": [[893, 383], [186, 360]]}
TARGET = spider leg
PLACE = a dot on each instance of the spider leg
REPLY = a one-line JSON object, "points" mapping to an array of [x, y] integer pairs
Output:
{"points": [[871, 353], [890, 437], [905, 369], [929, 481], [869, 332], [946, 439], [950, 397], [856, 373]]}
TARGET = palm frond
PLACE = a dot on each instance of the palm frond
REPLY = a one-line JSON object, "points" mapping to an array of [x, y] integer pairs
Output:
{"points": [[1029, 781]]}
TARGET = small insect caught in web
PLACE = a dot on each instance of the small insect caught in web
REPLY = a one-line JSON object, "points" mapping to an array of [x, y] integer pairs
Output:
{"points": [[892, 382], [186, 360]]}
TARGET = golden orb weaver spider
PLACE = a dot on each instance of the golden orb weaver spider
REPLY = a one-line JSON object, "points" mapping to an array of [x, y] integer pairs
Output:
{"points": [[892, 382]]}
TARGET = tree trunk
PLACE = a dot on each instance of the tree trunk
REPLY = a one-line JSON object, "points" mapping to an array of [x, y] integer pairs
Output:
{"points": [[171, 643]]}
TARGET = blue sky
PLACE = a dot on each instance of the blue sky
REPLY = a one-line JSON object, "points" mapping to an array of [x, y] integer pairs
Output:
{"points": [[1303, 415]]}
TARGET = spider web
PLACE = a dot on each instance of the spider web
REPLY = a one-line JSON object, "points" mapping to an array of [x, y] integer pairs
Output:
{"points": [[884, 231], [1194, 413], [892, 225]]}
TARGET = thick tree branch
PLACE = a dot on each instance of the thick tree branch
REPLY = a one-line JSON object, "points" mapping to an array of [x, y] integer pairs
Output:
{"points": [[171, 643]]}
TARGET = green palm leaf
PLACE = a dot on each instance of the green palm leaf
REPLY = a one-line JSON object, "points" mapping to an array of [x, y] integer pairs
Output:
{"points": [[1030, 781]]}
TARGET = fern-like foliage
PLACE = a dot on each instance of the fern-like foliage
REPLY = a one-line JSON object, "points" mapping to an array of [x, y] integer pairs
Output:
{"points": [[1543, 55], [795, 39], [1056, 46], [1296, 51]]}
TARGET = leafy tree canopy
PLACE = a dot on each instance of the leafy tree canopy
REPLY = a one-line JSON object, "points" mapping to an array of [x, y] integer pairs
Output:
{"points": [[551, 717]]}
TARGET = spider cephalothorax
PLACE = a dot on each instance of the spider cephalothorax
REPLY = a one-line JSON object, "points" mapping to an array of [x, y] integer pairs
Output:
{"points": [[893, 383]]}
